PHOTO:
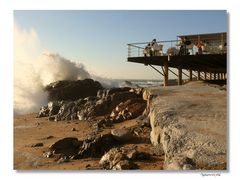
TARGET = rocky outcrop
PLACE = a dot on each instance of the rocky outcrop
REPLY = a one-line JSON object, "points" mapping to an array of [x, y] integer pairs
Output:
{"points": [[72, 90], [189, 125], [116, 104], [95, 145], [50, 110]]}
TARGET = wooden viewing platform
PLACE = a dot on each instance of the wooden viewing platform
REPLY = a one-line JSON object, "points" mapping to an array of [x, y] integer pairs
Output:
{"points": [[211, 64]]}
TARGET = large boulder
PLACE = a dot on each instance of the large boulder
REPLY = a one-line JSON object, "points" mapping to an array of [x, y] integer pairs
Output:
{"points": [[72, 90], [67, 147], [190, 124]]}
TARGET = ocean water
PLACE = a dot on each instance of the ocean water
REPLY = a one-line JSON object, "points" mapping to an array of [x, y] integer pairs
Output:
{"points": [[140, 83]]}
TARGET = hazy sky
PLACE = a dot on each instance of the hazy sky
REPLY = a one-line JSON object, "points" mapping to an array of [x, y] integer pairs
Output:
{"points": [[98, 39]]}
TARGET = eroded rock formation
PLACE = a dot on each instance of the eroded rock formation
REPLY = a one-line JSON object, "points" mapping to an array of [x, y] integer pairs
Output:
{"points": [[189, 126]]}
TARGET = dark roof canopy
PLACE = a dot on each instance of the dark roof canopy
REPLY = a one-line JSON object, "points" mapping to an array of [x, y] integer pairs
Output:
{"points": [[211, 36]]}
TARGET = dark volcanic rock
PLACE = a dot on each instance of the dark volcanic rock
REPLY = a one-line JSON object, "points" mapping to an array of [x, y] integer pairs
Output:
{"points": [[68, 146], [72, 148], [68, 111], [72, 90], [96, 146], [124, 103], [116, 98], [53, 107]]}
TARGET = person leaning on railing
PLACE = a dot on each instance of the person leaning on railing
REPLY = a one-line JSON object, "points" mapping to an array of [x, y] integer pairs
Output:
{"points": [[183, 46], [199, 45], [153, 44], [153, 49], [147, 50]]}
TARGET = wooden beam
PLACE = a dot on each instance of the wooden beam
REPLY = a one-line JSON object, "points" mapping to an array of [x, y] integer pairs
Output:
{"points": [[172, 72], [214, 76], [179, 76], [185, 73], [166, 73], [199, 76], [205, 75], [156, 70]]}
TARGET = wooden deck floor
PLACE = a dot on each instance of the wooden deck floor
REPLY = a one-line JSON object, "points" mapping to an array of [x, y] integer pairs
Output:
{"points": [[216, 63]]}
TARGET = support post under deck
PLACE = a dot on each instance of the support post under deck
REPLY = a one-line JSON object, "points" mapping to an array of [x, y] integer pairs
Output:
{"points": [[179, 76], [165, 73], [190, 74], [199, 76]]}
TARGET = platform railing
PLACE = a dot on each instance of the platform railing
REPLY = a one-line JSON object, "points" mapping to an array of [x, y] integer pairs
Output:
{"points": [[137, 49], [172, 48]]}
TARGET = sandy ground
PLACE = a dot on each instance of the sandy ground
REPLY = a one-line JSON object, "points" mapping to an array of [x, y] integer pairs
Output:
{"points": [[29, 130]]}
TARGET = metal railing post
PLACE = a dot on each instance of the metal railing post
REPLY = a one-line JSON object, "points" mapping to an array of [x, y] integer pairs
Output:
{"points": [[129, 51]]}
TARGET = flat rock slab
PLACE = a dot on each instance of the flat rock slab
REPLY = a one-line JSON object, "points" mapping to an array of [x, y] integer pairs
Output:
{"points": [[190, 121]]}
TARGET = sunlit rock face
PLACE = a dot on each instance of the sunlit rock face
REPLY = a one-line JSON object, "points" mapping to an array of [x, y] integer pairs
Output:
{"points": [[189, 123]]}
